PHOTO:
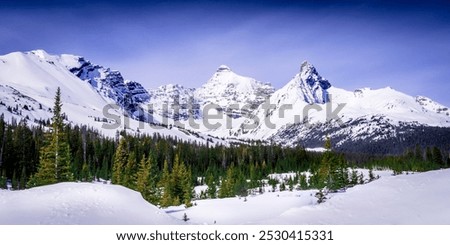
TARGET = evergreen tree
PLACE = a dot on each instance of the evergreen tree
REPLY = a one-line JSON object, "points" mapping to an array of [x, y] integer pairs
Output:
{"points": [[437, 157], [291, 184], [177, 184], [212, 188], [129, 177], [154, 194], [354, 178], [86, 174], [188, 189], [55, 156], [418, 153], [303, 182], [165, 184], [142, 177], [120, 161], [227, 184]]}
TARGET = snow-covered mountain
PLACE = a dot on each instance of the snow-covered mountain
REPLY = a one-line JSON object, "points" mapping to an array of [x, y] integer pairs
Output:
{"points": [[227, 89], [91, 94], [109, 83], [308, 108], [172, 101], [303, 111]]}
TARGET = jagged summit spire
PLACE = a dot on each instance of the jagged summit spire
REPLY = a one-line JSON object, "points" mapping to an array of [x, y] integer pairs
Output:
{"points": [[223, 68], [307, 67]]}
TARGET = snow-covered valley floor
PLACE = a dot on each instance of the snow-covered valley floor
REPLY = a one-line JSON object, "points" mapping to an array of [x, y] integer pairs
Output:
{"points": [[79, 203], [421, 198]]}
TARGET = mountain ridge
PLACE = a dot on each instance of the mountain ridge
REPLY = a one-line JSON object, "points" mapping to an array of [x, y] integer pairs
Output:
{"points": [[301, 111]]}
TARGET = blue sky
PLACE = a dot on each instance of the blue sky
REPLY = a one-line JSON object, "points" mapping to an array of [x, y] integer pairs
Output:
{"points": [[402, 44]]}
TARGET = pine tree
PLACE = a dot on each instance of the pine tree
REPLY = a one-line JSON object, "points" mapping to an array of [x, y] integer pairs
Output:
{"points": [[86, 173], [186, 182], [142, 177], [291, 184], [154, 194], [165, 184], [303, 182], [120, 161], [227, 184], [437, 157], [146, 180], [54, 163], [354, 178], [129, 177], [212, 188]]}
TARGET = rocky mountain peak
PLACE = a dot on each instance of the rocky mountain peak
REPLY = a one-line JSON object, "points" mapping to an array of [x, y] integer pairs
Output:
{"points": [[223, 68]]}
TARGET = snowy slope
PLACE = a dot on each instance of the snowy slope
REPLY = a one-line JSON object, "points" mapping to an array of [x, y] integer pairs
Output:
{"points": [[308, 108], [303, 111], [79, 203], [28, 83], [171, 101], [420, 198], [226, 88]]}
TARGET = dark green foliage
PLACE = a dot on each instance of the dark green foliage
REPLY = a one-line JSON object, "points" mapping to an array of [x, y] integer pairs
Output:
{"points": [[177, 184], [120, 161], [332, 172], [273, 182], [437, 157], [55, 157], [146, 180], [303, 182], [212, 186], [229, 171], [291, 184], [227, 184]]}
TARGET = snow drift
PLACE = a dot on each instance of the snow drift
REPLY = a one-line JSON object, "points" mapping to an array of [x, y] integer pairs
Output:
{"points": [[79, 203]]}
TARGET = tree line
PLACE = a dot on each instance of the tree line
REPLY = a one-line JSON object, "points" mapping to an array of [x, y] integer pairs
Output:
{"points": [[165, 169]]}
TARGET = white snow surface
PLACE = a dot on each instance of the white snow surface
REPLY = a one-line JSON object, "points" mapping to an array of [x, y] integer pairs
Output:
{"points": [[28, 82], [420, 198], [79, 203]]}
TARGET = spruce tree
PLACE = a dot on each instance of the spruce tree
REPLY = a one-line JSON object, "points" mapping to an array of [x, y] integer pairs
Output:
{"points": [[165, 184], [54, 163], [129, 177], [437, 157], [154, 194], [120, 161], [142, 177], [227, 184], [86, 173], [212, 188], [186, 182], [303, 182], [146, 180]]}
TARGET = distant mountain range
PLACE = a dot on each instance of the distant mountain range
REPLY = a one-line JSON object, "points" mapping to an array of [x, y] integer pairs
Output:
{"points": [[227, 108]]}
